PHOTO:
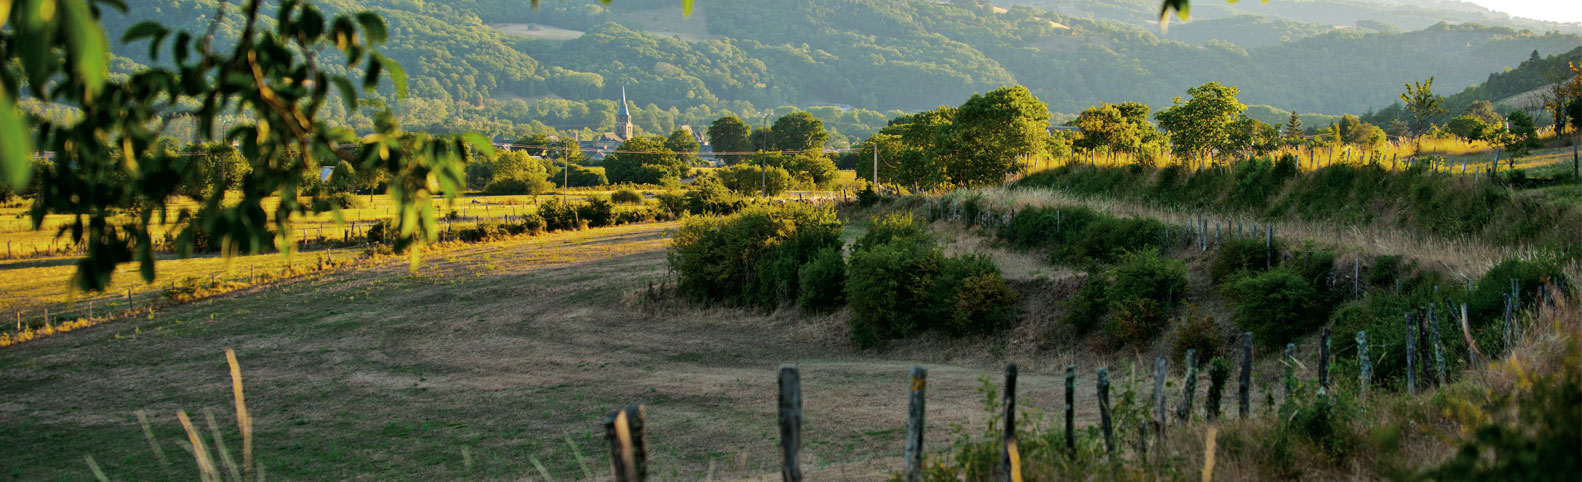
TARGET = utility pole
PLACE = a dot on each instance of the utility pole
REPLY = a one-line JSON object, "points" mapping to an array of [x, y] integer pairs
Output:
{"points": [[763, 162], [565, 166]]}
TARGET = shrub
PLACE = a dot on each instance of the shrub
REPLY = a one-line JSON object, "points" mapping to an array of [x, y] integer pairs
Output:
{"points": [[531, 223], [518, 185], [890, 228], [823, 281], [559, 216], [970, 297], [483, 231], [1218, 374], [597, 212], [1277, 306], [626, 195], [749, 180], [1134, 298], [1486, 305], [1386, 270], [1198, 332], [1106, 239], [719, 259], [888, 287], [672, 203], [1240, 256], [708, 196], [1043, 226]]}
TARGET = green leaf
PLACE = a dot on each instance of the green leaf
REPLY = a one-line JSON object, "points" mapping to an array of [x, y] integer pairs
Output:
{"points": [[348, 92], [87, 44], [373, 27], [16, 145], [686, 8], [397, 76]]}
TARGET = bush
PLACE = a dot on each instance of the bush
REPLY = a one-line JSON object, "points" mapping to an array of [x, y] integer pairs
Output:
{"points": [[1277, 306], [971, 298], [1198, 332], [823, 281], [751, 180], [718, 259], [597, 212], [1237, 257], [483, 231], [1107, 239], [1134, 298], [531, 224], [559, 216], [517, 185], [1218, 374], [899, 284], [1046, 227], [708, 196], [626, 195], [888, 287], [1486, 305]]}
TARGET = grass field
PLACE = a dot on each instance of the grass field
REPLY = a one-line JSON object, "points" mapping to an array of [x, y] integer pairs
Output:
{"points": [[503, 350]]}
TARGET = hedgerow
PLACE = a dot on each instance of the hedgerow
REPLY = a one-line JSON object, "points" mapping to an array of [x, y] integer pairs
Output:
{"points": [[751, 257], [900, 284]]}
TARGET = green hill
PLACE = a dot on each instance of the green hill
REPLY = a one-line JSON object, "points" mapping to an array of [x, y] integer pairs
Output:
{"points": [[470, 71]]}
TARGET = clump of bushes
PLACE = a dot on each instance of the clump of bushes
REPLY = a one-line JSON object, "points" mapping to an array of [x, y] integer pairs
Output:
{"points": [[823, 281], [560, 216], [1238, 257], [1198, 332], [1278, 305], [1133, 299], [900, 284], [752, 257], [1046, 227], [626, 195], [1107, 239]]}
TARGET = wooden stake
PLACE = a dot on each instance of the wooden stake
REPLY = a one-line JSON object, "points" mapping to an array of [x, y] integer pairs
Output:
{"points": [[1290, 369], [1105, 424], [1244, 403], [1159, 402], [1473, 353], [623, 429], [1189, 387], [1439, 351], [1011, 463], [914, 425], [790, 422], [1364, 370], [1411, 355], [1071, 394]]}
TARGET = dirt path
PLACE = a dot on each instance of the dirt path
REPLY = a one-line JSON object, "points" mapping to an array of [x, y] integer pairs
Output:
{"points": [[481, 362]]}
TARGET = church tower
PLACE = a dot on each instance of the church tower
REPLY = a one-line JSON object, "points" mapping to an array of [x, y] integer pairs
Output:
{"points": [[623, 119]]}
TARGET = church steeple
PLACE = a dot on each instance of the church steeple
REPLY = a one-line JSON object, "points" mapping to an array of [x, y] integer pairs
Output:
{"points": [[623, 119]]}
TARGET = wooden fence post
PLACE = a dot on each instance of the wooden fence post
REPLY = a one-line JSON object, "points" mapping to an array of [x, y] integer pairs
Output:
{"points": [[1268, 247], [1105, 423], [1290, 369], [1159, 402], [1189, 387], [1011, 463], [1364, 370], [1071, 396], [1411, 355], [1356, 278], [1244, 404], [914, 425], [623, 428], [790, 422], [1509, 306], [1323, 362], [1473, 353], [1439, 351]]}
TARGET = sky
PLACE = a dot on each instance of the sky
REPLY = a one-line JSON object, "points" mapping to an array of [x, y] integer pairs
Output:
{"points": [[1551, 10]]}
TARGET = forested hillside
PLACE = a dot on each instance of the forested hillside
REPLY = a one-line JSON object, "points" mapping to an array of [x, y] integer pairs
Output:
{"points": [[752, 56]]}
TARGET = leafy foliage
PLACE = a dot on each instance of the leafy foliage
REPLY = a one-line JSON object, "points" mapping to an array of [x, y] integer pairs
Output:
{"points": [[752, 257]]}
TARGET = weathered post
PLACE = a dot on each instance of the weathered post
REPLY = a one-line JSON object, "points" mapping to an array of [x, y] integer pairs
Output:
{"points": [[1268, 247], [1356, 278], [1159, 401], [1105, 423], [1290, 369], [1411, 355], [1011, 462], [1244, 404], [790, 422], [914, 425], [623, 429], [1439, 350], [1323, 362], [1473, 354], [1364, 370], [1071, 397], [1189, 387], [1508, 310]]}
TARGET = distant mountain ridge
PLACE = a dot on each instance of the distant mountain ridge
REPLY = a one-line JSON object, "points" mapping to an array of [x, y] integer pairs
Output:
{"points": [[475, 64]]}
